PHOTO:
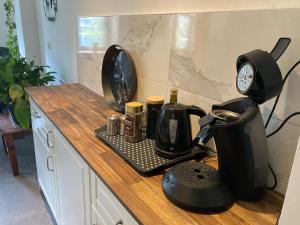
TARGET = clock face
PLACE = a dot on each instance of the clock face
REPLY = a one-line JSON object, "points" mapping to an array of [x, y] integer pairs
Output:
{"points": [[245, 77], [50, 9]]}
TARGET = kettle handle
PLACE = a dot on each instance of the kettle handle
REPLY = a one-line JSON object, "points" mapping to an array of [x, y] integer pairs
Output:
{"points": [[195, 110]]}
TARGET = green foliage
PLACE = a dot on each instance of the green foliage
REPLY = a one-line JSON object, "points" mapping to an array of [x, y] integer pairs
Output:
{"points": [[15, 75], [5, 80], [4, 97], [22, 112], [15, 92], [12, 38]]}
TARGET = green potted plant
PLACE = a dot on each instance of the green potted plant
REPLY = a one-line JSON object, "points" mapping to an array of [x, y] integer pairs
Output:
{"points": [[16, 74]]}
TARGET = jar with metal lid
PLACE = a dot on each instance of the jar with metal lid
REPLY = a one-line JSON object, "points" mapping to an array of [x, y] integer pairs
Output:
{"points": [[112, 125], [154, 104], [133, 121]]}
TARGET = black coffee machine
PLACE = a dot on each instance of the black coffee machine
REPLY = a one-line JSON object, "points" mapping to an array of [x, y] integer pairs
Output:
{"points": [[240, 138]]}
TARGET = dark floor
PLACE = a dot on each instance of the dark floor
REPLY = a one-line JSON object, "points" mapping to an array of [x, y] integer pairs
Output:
{"points": [[20, 200]]}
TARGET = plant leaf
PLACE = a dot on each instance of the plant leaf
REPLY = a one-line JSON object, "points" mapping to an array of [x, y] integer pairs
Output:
{"points": [[8, 72], [15, 92], [22, 112]]}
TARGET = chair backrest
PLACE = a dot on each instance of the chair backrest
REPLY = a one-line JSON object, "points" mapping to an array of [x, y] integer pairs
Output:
{"points": [[4, 52]]}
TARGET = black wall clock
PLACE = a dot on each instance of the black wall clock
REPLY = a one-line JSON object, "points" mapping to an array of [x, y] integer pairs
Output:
{"points": [[50, 9]]}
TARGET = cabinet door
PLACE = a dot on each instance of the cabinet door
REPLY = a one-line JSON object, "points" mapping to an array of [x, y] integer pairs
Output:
{"points": [[45, 170], [105, 207], [72, 177]]}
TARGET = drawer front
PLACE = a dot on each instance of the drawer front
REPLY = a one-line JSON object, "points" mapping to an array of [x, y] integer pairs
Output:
{"points": [[40, 124], [106, 208], [100, 219]]}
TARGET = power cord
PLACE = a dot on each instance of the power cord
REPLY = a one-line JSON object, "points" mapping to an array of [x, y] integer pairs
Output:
{"points": [[282, 124], [271, 134], [278, 96], [274, 177]]}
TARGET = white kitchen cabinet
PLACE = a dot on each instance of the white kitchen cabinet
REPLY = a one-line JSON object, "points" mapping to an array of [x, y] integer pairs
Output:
{"points": [[75, 194], [73, 183], [106, 208], [45, 158]]}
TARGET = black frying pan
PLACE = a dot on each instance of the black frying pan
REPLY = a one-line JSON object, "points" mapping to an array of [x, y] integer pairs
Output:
{"points": [[119, 80]]}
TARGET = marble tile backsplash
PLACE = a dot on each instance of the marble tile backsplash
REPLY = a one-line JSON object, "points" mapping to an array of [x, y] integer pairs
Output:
{"points": [[197, 53], [146, 38]]}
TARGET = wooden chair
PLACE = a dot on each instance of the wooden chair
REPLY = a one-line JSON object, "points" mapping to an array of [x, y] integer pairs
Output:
{"points": [[9, 133]]}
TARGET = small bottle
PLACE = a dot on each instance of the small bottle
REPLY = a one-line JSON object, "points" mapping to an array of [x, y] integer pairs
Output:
{"points": [[122, 125], [173, 95]]}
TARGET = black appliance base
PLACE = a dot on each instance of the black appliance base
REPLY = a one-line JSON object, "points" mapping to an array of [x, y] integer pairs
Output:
{"points": [[196, 187]]}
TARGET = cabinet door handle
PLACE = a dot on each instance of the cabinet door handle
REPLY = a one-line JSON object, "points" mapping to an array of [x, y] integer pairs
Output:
{"points": [[120, 222], [48, 139], [48, 167], [36, 115]]}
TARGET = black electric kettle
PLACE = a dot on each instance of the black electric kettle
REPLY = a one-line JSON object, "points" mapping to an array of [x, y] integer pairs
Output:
{"points": [[173, 136]]}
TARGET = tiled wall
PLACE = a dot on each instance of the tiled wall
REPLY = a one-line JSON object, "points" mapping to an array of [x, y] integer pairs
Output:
{"points": [[197, 53]]}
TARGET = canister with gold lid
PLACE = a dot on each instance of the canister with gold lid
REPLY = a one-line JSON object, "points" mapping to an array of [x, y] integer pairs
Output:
{"points": [[133, 121], [133, 107], [154, 104]]}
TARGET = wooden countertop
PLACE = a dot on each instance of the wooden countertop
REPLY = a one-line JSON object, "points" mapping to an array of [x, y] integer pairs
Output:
{"points": [[77, 111]]}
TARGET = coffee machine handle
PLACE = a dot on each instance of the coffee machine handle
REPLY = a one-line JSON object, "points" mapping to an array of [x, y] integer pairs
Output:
{"points": [[194, 110], [204, 135]]}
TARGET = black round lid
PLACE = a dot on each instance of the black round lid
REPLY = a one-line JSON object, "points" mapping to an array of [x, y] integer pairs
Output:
{"points": [[197, 187]]}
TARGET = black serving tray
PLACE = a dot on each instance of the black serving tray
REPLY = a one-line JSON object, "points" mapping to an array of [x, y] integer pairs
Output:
{"points": [[141, 156]]}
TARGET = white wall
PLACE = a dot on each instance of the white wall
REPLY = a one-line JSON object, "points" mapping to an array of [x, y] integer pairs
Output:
{"points": [[115, 7], [27, 28], [19, 28], [58, 39], [30, 30], [3, 28]]}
